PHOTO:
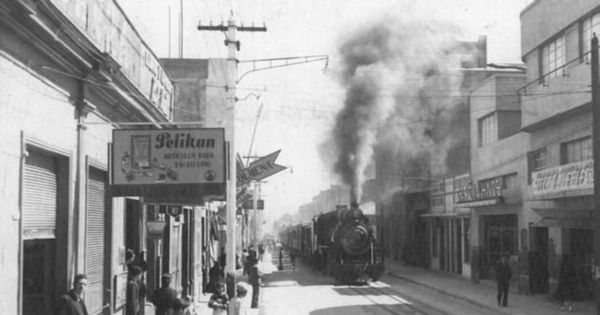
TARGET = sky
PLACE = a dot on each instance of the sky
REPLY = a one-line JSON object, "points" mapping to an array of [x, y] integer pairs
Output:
{"points": [[299, 103]]}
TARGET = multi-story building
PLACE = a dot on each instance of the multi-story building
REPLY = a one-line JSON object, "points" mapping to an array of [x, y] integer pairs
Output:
{"points": [[556, 107], [72, 72], [493, 191]]}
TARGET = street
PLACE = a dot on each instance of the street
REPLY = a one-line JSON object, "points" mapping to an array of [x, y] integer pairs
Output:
{"points": [[306, 292]]}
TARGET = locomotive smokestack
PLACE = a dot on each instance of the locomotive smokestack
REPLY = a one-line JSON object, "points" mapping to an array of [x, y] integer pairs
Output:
{"points": [[354, 195]]}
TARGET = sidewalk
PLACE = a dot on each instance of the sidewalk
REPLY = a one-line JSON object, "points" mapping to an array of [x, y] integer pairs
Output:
{"points": [[483, 294]]}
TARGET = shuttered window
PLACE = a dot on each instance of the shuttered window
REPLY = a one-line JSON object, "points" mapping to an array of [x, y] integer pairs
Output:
{"points": [[39, 196], [94, 241]]}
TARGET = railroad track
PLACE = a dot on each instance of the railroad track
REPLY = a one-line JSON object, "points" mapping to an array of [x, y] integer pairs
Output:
{"points": [[390, 300]]}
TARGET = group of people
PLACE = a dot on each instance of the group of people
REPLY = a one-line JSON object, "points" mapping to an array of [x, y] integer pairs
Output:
{"points": [[219, 301], [164, 298], [566, 291]]}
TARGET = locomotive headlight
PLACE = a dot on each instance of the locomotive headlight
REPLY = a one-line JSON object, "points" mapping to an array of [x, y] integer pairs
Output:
{"points": [[356, 213]]}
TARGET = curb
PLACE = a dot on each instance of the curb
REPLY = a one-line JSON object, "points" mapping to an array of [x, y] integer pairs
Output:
{"points": [[444, 292]]}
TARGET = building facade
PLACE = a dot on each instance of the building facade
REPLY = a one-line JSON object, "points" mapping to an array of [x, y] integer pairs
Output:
{"points": [[493, 191], [557, 115], [72, 72]]}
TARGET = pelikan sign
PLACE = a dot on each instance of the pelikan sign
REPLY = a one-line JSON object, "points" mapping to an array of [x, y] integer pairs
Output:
{"points": [[168, 157]]}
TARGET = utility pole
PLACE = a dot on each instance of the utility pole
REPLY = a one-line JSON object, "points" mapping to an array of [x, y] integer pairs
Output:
{"points": [[233, 46], [596, 141]]}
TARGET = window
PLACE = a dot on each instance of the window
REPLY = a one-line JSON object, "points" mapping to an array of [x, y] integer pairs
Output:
{"points": [[576, 150], [510, 182], [590, 26], [487, 128], [537, 160], [553, 57]]}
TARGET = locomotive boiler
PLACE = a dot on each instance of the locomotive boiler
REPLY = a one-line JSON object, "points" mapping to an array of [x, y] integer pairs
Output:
{"points": [[346, 245]]}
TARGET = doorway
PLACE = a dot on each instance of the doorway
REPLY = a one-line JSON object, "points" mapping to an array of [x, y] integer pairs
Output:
{"points": [[538, 260]]}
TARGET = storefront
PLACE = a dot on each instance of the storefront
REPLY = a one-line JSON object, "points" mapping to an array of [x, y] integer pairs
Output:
{"points": [[495, 208], [563, 207]]}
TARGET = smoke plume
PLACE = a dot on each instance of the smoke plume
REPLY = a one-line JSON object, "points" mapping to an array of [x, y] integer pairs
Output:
{"points": [[401, 78]]}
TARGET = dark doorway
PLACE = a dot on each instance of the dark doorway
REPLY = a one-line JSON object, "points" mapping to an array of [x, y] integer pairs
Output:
{"points": [[38, 276], [538, 260]]}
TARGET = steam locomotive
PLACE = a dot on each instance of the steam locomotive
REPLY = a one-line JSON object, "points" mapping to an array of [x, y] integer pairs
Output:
{"points": [[342, 243]]}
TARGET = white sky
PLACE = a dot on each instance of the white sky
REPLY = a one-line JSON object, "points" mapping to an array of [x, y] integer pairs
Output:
{"points": [[300, 102]]}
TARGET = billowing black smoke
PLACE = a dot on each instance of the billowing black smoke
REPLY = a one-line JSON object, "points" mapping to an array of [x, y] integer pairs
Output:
{"points": [[401, 79]]}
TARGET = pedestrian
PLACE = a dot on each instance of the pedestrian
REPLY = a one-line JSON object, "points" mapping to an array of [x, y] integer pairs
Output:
{"points": [[254, 279], [143, 290], [293, 259], [238, 303], [566, 291], [164, 297], [129, 258], [261, 251], [72, 303], [280, 267], [223, 258], [245, 262], [215, 276], [133, 291], [219, 301], [503, 274]]}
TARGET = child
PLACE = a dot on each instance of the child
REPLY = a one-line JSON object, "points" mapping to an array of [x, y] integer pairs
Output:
{"points": [[219, 301], [239, 305]]}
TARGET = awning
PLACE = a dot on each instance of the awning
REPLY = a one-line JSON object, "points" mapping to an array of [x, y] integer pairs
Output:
{"points": [[565, 218], [171, 193]]}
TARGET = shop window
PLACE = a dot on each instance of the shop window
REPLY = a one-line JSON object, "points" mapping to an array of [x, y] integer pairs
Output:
{"points": [[576, 150]]}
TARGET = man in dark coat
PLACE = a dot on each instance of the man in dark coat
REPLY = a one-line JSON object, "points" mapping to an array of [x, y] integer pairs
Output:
{"points": [[133, 291], [503, 274], [254, 279], [72, 303], [164, 298]]}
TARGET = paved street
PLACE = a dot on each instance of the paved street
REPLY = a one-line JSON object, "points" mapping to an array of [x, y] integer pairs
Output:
{"points": [[307, 292], [402, 290]]}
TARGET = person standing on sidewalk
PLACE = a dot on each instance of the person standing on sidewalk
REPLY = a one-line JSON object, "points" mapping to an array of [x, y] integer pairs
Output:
{"points": [[133, 291], [164, 298], [503, 274], [219, 302], [72, 303], [293, 259], [566, 291], [254, 279]]}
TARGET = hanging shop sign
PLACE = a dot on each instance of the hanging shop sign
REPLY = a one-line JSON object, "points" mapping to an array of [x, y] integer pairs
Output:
{"points": [[260, 169], [174, 163], [568, 177], [466, 190]]}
